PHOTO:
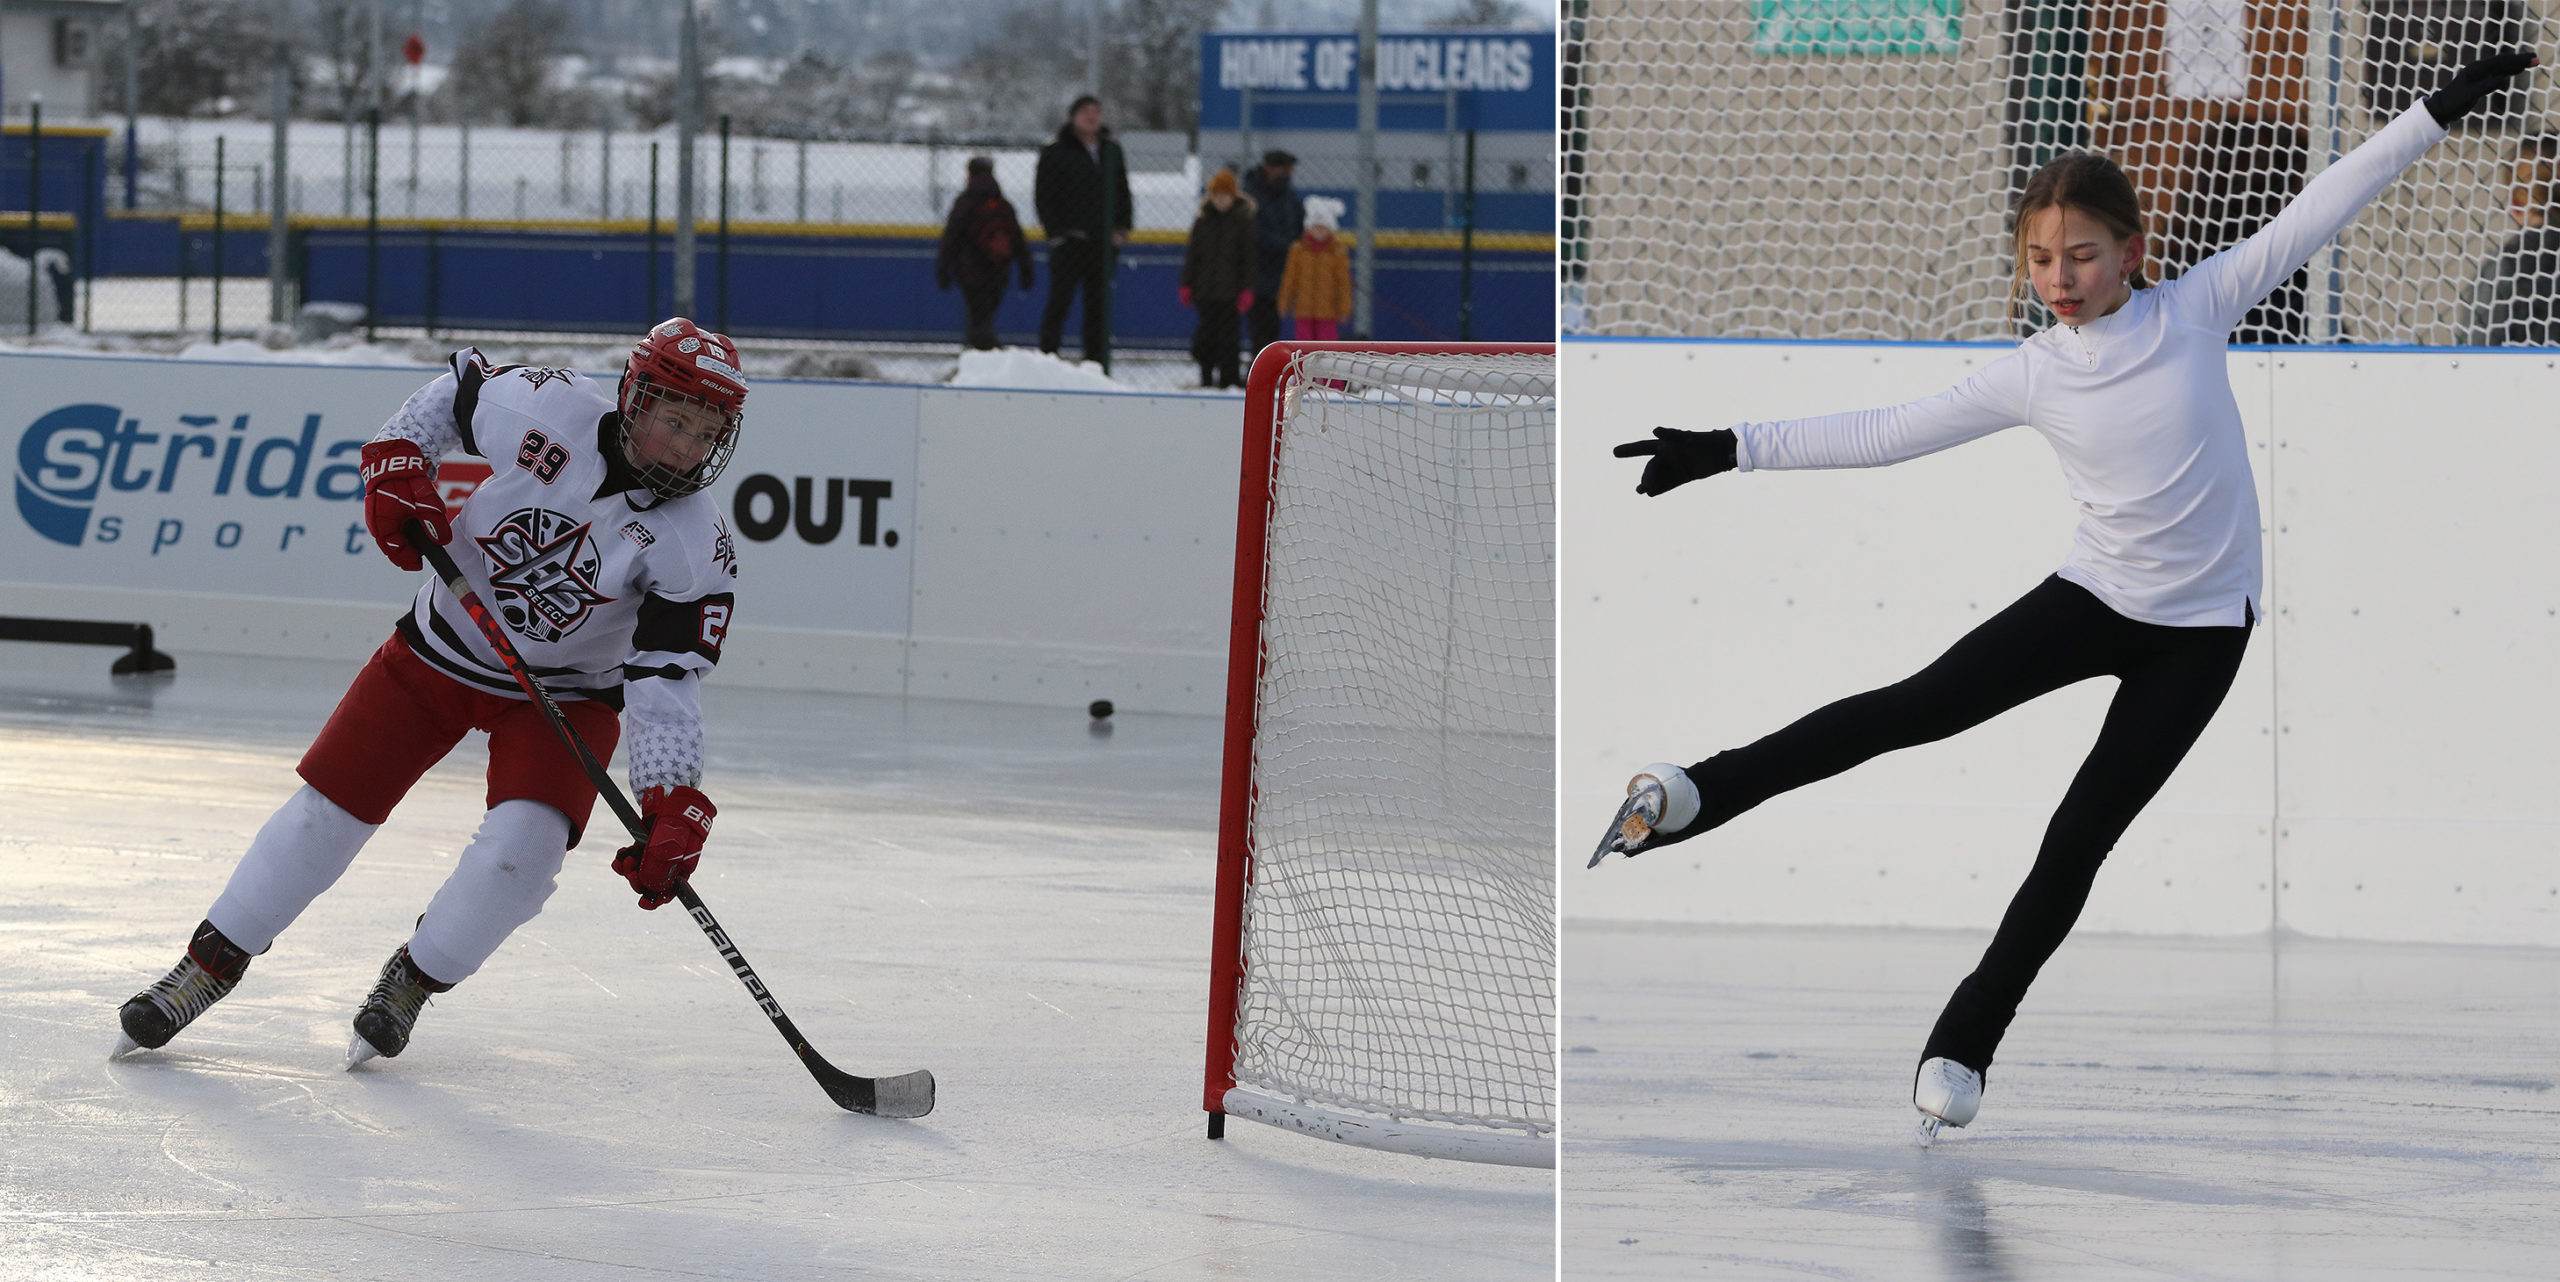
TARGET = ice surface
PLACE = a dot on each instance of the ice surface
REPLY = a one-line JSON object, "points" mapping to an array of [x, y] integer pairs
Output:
{"points": [[1738, 1105], [1009, 897]]}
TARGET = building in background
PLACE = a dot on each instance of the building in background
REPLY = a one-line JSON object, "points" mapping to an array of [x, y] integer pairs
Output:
{"points": [[49, 52]]}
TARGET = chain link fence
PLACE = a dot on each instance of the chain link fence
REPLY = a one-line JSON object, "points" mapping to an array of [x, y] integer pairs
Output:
{"points": [[169, 222], [1756, 168]]}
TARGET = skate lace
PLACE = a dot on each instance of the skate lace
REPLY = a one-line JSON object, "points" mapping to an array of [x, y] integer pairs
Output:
{"points": [[187, 990], [399, 995]]}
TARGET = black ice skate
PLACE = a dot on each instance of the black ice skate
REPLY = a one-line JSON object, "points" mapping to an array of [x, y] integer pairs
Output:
{"points": [[383, 1024], [212, 967]]}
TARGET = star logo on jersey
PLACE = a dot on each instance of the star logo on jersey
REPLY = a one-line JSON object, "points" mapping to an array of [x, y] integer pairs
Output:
{"points": [[724, 550], [542, 570], [538, 377]]}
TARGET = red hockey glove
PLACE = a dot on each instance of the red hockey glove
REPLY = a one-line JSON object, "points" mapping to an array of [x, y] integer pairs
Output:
{"points": [[679, 819], [1244, 301], [1184, 294], [397, 490]]}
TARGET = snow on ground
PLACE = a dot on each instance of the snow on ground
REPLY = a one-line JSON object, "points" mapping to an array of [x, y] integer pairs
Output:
{"points": [[346, 353], [1024, 368], [445, 171], [1017, 899], [1737, 1104], [249, 338]]}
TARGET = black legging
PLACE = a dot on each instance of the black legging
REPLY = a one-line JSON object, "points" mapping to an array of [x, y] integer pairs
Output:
{"points": [[2058, 634]]}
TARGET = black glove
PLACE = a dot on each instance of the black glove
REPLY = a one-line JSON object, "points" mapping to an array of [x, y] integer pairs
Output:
{"points": [[1677, 457], [2475, 82]]}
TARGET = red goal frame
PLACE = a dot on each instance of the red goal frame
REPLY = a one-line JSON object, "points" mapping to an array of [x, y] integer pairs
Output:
{"points": [[1244, 672]]}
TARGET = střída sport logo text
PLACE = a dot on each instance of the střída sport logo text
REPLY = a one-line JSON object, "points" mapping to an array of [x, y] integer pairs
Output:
{"points": [[542, 572]]}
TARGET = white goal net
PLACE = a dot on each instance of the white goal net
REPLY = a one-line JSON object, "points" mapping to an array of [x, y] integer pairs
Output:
{"points": [[1397, 939], [1843, 169]]}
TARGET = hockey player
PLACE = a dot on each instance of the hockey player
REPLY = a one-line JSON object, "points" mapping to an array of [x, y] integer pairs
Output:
{"points": [[2160, 590], [594, 541]]}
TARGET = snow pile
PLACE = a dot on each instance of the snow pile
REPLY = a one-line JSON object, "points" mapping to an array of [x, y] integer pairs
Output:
{"points": [[1020, 367], [53, 273], [244, 349]]}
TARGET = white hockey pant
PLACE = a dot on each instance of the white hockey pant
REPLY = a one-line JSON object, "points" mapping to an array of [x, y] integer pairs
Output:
{"points": [[505, 875], [507, 872], [303, 849]]}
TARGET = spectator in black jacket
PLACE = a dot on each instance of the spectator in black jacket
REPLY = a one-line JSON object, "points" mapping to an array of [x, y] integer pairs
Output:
{"points": [[982, 242], [1279, 219], [1082, 195]]}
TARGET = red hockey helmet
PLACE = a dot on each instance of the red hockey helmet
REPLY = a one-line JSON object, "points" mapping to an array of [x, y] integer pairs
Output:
{"points": [[680, 363]]}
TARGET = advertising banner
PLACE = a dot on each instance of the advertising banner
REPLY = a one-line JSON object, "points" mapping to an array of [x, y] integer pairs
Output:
{"points": [[241, 480], [822, 497]]}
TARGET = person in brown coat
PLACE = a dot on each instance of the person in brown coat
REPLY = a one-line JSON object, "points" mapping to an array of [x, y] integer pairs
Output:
{"points": [[982, 242], [1217, 279], [1315, 288]]}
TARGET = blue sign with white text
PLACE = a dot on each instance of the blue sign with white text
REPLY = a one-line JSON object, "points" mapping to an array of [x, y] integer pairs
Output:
{"points": [[1433, 81]]}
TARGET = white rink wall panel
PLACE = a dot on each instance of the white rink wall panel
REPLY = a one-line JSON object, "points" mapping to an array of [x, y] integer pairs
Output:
{"points": [[1075, 546], [2382, 742], [1046, 548], [2417, 557]]}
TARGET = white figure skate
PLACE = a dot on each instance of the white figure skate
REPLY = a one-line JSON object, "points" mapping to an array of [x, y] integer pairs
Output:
{"points": [[1660, 799], [1947, 1094]]}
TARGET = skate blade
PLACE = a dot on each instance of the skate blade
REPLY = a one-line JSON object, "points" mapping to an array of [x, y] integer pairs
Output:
{"points": [[125, 1045], [1633, 826], [358, 1051], [1928, 1130]]}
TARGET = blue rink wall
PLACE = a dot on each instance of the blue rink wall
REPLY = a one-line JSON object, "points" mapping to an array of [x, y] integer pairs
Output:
{"points": [[2382, 768], [1033, 547], [856, 283]]}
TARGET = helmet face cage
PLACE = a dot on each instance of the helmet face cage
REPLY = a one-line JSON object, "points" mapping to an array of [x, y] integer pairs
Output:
{"points": [[667, 482], [681, 363]]}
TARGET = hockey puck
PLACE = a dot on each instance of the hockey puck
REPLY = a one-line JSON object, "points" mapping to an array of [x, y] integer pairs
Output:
{"points": [[1100, 708]]}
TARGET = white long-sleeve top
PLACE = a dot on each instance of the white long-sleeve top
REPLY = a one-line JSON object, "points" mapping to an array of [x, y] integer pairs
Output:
{"points": [[2137, 405]]}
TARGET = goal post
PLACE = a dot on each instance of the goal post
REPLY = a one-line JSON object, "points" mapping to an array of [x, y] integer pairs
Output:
{"points": [[1383, 968]]}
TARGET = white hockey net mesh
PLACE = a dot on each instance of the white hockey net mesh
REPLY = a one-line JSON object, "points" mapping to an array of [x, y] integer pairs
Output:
{"points": [[1400, 948], [1843, 168]]}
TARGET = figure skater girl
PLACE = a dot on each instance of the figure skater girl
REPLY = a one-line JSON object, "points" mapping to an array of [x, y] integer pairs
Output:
{"points": [[2160, 589]]}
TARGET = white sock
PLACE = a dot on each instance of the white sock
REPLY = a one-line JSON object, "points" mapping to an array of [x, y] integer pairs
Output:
{"points": [[506, 873], [303, 850]]}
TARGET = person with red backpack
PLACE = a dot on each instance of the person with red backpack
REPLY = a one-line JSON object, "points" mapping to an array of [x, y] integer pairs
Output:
{"points": [[981, 241]]}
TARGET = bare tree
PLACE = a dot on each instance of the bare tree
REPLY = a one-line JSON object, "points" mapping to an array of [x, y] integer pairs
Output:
{"points": [[1153, 72], [1484, 13], [193, 57], [1022, 74], [503, 70], [341, 37]]}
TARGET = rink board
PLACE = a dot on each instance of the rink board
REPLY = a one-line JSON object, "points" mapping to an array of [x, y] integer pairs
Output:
{"points": [[2371, 775], [1024, 546]]}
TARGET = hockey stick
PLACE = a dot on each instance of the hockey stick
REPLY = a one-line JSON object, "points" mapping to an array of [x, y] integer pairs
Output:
{"points": [[904, 1095]]}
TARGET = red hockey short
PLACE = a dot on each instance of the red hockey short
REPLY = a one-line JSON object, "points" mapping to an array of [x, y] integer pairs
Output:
{"points": [[401, 717]]}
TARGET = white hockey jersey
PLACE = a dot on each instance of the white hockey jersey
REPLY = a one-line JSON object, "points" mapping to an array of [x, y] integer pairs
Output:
{"points": [[609, 592]]}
